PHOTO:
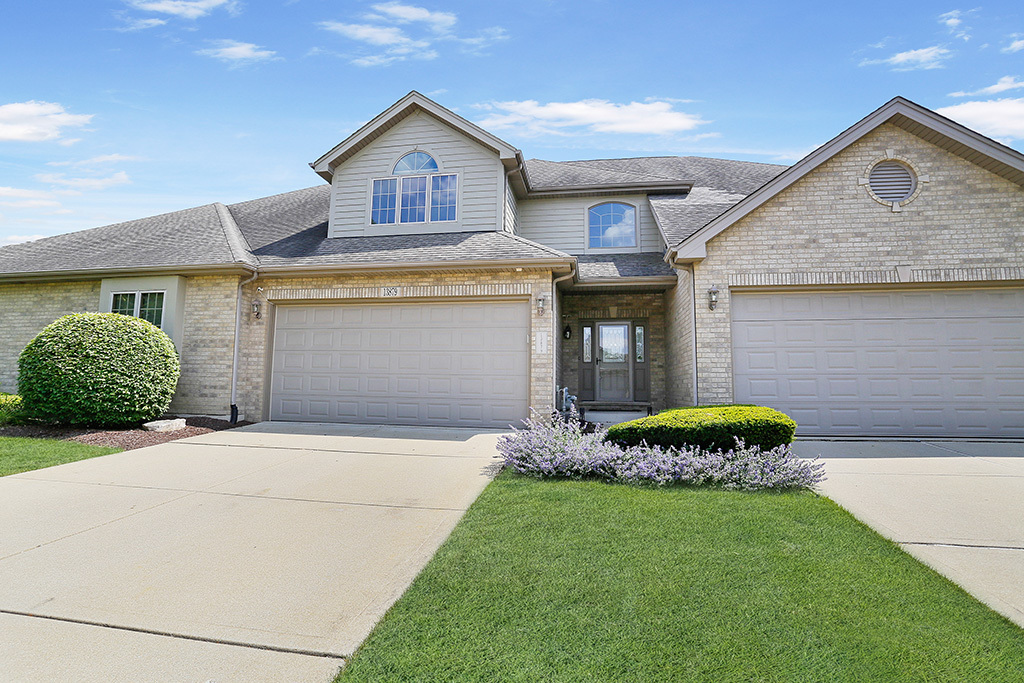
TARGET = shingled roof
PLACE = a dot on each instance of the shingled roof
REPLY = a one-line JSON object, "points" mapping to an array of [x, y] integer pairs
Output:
{"points": [[290, 229]]}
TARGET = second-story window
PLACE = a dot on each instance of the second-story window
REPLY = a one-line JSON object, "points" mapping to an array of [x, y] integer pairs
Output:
{"points": [[416, 193], [611, 225]]}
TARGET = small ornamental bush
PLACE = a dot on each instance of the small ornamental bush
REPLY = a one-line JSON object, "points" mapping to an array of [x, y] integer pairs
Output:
{"points": [[712, 428], [562, 449], [10, 409], [98, 369]]}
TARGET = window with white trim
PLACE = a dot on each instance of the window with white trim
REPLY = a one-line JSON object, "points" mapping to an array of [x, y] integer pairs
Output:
{"points": [[416, 193], [146, 305], [611, 225]]}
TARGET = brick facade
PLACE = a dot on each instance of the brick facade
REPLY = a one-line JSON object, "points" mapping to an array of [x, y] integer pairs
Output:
{"points": [[25, 309], [207, 346], [649, 306], [964, 224], [679, 311]]}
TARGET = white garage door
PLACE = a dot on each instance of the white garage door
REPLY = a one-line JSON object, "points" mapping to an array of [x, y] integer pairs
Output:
{"points": [[913, 363], [454, 364]]}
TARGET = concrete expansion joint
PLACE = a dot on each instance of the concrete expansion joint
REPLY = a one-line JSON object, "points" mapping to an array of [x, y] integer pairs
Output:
{"points": [[180, 636], [939, 544], [330, 450]]}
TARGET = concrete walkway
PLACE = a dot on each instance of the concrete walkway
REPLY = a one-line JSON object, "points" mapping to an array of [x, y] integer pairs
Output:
{"points": [[958, 506], [262, 553]]}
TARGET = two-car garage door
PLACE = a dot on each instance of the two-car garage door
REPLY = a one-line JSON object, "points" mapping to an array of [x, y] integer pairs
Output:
{"points": [[944, 362], [453, 364]]}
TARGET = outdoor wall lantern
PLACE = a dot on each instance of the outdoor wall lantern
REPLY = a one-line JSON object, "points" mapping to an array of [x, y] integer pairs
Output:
{"points": [[256, 310], [567, 332], [712, 297], [540, 305]]}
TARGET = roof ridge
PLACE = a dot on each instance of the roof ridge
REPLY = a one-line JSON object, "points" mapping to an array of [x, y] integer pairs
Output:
{"points": [[239, 247]]}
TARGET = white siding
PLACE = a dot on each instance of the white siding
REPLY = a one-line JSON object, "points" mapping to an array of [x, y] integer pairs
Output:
{"points": [[511, 215], [562, 223], [481, 179]]}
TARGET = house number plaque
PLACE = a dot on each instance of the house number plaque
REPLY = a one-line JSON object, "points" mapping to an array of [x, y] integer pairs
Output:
{"points": [[389, 291]]}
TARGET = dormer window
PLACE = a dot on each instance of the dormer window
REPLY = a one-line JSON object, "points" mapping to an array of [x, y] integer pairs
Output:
{"points": [[416, 193], [611, 225]]}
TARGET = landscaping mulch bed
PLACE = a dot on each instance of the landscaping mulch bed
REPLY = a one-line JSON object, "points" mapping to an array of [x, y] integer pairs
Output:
{"points": [[125, 439]]}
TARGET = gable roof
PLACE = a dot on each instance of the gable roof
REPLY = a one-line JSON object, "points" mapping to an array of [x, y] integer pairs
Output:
{"points": [[912, 117], [414, 101], [199, 237]]}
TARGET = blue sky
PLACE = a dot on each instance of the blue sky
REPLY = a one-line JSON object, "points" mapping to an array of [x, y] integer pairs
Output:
{"points": [[118, 109]]}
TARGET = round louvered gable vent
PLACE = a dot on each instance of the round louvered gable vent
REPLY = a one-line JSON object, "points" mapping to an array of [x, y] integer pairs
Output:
{"points": [[891, 181]]}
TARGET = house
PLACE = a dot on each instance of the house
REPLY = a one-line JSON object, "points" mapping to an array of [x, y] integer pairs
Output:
{"points": [[437, 277]]}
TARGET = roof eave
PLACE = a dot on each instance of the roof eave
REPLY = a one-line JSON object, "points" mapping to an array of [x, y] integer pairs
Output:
{"points": [[99, 273], [554, 264], [669, 187], [325, 165]]}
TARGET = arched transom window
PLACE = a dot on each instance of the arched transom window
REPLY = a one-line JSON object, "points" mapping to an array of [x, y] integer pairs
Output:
{"points": [[611, 225], [416, 193]]}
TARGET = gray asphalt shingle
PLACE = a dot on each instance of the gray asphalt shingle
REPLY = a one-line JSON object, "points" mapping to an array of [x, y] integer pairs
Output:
{"points": [[291, 228], [603, 266]]}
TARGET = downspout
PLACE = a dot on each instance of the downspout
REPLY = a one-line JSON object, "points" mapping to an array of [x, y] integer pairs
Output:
{"points": [[557, 324], [693, 320], [234, 362]]}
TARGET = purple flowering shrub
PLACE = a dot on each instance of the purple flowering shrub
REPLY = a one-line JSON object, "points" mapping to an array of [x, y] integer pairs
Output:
{"points": [[560, 448]]}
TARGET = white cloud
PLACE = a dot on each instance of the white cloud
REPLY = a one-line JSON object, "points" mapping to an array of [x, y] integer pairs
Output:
{"points": [[96, 161], [1016, 46], [593, 115], [1002, 85], [30, 203], [35, 121], [18, 193], [911, 60], [84, 184], [1002, 119], [186, 9], [397, 32], [954, 21], [131, 24], [374, 35], [18, 239], [440, 22], [237, 53]]}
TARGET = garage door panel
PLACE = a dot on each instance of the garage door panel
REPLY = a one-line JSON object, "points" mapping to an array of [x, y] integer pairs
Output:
{"points": [[936, 362], [442, 364]]}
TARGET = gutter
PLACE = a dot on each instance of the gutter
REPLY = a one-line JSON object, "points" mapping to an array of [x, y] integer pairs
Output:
{"points": [[417, 265], [94, 273]]}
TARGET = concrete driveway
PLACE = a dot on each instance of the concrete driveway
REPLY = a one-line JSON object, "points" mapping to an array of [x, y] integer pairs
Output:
{"points": [[262, 553], [958, 506]]}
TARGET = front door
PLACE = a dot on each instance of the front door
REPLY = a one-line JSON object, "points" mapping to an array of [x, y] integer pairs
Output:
{"points": [[613, 367]]}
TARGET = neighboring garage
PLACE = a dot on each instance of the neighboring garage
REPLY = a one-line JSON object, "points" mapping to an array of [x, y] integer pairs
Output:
{"points": [[462, 364], [923, 362]]}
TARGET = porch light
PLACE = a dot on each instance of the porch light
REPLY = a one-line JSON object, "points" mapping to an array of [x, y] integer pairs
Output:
{"points": [[567, 332], [712, 297], [540, 305], [256, 310]]}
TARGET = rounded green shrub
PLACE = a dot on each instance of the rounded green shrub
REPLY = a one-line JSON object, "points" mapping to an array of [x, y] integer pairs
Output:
{"points": [[98, 369], [10, 408], [712, 428]]}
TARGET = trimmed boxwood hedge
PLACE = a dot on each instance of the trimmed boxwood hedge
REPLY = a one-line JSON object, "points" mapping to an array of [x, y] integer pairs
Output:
{"points": [[10, 408], [99, 370], [712, 428]]}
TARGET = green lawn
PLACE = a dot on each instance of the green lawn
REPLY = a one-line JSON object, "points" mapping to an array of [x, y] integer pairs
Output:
{"points": [[22, 455], [585, 581]]}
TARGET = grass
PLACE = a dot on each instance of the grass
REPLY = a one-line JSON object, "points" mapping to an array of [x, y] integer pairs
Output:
{"points": [[585, 581], [22, 455]]}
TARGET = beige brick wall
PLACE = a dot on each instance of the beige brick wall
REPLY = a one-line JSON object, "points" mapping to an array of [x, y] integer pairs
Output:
{"points": [[206, 347], [529, 284], [25, 309], [679, 341], [632, 306], [965, 224]]}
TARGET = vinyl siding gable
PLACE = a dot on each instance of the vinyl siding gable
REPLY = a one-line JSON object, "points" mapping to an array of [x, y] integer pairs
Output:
{"points": [[481, 180], [561, 223]]}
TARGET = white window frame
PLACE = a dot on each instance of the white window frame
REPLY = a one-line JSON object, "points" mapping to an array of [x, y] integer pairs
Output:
{"points": [[429, 203], [138, 302], [612, 250]]}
